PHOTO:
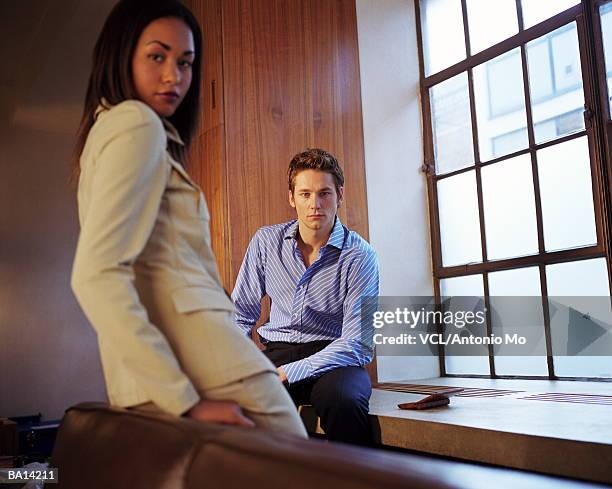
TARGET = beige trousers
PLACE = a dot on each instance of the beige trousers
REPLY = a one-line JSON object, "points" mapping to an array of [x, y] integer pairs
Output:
{"points": [[261, 400], [223, 364]]}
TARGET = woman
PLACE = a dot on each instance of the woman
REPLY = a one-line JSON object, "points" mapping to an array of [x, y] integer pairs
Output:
{"points": [[144, 272]]}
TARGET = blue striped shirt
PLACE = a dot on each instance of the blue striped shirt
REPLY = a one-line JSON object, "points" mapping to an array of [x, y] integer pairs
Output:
{"points": [[321, 302]]}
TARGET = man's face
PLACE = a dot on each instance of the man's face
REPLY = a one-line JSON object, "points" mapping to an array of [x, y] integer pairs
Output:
{"points": [[315, 199]]}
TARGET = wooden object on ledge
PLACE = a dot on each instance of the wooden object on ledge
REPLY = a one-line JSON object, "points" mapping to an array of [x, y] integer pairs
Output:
{"points": [[441, 398]]}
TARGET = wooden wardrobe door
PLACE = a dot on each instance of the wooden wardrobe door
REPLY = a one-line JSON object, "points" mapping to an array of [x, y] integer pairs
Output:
{"points": [[207, 163], [285, 76]]}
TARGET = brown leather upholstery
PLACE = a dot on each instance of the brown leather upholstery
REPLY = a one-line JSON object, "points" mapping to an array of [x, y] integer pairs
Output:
{"points": [[111, 448]]}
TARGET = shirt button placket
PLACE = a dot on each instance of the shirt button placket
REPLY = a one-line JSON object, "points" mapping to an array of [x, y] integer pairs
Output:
{"points": [[298, 307]]}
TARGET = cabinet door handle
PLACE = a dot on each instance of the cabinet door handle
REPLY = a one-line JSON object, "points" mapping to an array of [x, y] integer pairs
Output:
{"points": [[213, 93]]}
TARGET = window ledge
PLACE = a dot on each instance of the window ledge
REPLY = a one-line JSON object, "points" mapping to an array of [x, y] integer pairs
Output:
{"points": [[559, 438]]}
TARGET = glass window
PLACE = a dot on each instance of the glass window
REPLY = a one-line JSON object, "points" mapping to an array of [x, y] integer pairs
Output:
{"points": [[578, 278], [511, 292], [509, 208], [491, 191], [566, 59], [545, 130], [581, 318], [467, 365], [443, 37], [509, 142], [567, 196], [500, 104], [452, 124], [605, 12], [539, 62], [469, 286], [555, 83], [569, 122], [490, 22], [504, 76], [535, 11], [518, 282], [459, 221]]}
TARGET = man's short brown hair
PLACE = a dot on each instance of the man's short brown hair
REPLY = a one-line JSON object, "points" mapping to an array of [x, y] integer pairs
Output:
{"points": [[315, 159]]}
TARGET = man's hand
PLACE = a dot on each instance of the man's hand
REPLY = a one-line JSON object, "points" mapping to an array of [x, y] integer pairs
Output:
{"points": [[282, 375], [223, 412]]}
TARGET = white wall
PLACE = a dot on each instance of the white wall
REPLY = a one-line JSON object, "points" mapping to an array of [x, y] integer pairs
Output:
{"points": [[397, 197]]}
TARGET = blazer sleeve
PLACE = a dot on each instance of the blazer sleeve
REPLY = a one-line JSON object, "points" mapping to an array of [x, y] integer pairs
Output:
{"points": [[127, 183]]}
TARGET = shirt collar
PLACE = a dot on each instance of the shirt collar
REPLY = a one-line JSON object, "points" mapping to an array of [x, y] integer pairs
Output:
{"points": [[171, 131], [336, 238], [291, 232]]}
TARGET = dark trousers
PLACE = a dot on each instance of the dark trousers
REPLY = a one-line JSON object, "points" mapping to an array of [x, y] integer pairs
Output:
{"points": [[340, 397]]}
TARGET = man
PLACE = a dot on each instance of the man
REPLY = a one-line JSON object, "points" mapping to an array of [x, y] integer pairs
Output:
{"points": [[315, 272]]}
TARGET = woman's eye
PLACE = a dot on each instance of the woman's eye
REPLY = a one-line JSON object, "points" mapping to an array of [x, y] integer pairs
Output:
{"points": [[156, 57], [186, 64]]}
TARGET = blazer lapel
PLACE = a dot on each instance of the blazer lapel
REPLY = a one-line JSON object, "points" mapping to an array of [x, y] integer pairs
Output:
{"points": [[179, 168], [173, 135]]}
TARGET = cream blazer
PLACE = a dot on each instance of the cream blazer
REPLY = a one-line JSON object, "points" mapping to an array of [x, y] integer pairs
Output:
{"points": [[144, 235]]}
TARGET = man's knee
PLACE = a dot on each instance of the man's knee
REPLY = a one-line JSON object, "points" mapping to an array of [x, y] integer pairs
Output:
{"points": [[341, 398], [345, 390]]}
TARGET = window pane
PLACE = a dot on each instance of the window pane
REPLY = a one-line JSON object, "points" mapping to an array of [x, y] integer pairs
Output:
{"points": [[539, 62], [578, 278], [500, 106], [555, 84], [567, 195], [469, 286], [509, 208], [605, 12], [523, 282], [443, 38], [514, 283], [580, 324], [535, 11], [459, 221], [452, 124], [477, 365], [546, 130], [490, 22], [566, 58], [509, 142]]}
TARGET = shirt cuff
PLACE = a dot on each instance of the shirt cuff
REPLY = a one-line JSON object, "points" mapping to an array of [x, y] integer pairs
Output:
{"points": [[296, 371], [245, 328]]}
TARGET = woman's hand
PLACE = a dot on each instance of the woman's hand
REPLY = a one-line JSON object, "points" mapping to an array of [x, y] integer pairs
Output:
{"points": [[282, 375], [223, 412]]}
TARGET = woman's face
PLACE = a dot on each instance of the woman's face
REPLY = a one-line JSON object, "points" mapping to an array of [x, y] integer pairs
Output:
{"points": [[162, 63]]}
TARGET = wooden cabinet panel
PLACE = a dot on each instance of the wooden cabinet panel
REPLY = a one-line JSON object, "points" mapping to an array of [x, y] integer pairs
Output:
{"points": [[207, 159], [286, 77]]}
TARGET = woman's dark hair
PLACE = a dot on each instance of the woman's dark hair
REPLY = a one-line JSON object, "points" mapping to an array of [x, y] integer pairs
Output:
{"points": [[111, 76]]}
